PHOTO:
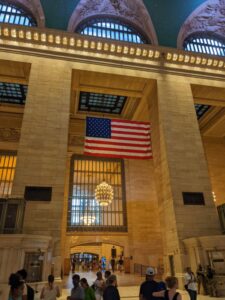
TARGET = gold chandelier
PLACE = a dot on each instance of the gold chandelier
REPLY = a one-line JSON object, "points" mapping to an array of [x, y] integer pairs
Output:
{"points": [[104, 194]]}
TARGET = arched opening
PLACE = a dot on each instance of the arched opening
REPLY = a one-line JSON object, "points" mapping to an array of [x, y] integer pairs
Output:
{"points": [[205, 43], [206, 22], [111, 28], [132, 15]]}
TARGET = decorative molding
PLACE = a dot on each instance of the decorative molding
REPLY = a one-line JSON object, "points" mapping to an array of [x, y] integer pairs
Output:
{"points": [[9, 134], [207, 18], [133, 12], [32, 6], [70, 46]]}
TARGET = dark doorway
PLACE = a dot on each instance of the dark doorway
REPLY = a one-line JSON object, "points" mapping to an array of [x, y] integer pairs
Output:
{"points": [[171, 262]]}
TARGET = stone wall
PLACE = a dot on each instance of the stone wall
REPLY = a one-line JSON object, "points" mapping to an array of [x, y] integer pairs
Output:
{"points": [[215, 153]]}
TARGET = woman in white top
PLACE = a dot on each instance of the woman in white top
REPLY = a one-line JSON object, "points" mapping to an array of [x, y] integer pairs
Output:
{"points": [[50, 292], [99, 286], [190, 284]]}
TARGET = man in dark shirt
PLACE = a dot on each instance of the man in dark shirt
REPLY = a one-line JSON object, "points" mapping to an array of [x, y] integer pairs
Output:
{"points": [[149, 286], [111, 292]]}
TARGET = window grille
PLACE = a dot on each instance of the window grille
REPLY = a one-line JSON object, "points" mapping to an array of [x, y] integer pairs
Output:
{"points": [[84, 212], [111, 29], [15, 15], [105, 103], [11, 215], [13, 93], [207, 45], [7, 171], [201, 109]]}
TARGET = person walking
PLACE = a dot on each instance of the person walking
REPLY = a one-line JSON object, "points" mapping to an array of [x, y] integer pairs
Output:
{"points": [[201, 280], [113, 262], [28, 292], [149, 286], [190, 284], [77, 292], [99, 285], [107, 275], [89, 292], [111, 292], [50, 291], [171, 293], [211, 282], [16, 287]]}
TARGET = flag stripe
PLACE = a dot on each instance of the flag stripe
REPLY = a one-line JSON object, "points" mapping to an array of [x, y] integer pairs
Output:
{"points": [[119, 143], [142, 131], [131, 123], [119, 139], [119, 156], [114, 147], [116, 152]]}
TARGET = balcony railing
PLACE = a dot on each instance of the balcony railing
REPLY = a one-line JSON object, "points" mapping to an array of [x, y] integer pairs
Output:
{"points": [[11, 215]]}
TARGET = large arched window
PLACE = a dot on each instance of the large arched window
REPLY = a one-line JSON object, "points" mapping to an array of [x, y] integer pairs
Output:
{"points": [[205, 44], [111, 29], [12, 14]]}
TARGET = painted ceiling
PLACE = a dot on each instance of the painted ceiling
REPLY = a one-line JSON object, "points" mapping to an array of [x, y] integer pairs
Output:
{"points": [[167, 16]]}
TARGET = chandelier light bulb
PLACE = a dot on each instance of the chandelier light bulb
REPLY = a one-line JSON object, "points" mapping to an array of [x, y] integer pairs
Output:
{"points": [[104, 194]]}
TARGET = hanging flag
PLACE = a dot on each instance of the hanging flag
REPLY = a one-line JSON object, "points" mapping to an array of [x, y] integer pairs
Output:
{"points": [[117, 138]]}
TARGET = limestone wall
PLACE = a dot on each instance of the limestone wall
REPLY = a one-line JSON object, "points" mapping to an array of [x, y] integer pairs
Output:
{"points": [[215, 153]]}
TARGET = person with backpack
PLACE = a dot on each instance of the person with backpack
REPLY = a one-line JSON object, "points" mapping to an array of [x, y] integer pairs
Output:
{"points": [[148, 286], [170, 293], [28, 292], [16, 287]]}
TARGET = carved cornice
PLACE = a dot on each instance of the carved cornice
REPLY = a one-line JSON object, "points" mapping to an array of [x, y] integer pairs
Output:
{"points": [[207, 18], [133, 12], [9, 134], [64, 45]]}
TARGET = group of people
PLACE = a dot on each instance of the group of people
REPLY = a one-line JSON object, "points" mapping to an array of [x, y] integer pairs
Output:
{"points": [[94, 265], [20, 290], [203, 282], [105, 289]]}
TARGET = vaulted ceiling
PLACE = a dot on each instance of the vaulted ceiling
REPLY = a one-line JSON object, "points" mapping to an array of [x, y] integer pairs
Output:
{"points": [[167, 16]]}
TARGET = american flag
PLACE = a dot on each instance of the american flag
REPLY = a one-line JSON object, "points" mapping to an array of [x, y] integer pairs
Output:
{"points": [[117, 138]]}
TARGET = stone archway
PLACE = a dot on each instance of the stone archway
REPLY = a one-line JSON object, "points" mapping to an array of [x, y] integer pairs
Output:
{"points": [[133, 12], [207, 18]]}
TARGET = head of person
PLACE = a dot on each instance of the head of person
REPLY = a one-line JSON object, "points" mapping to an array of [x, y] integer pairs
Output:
{"points": [[107, 274], [16, 285], [23, 274], [171, 282], [51, 279], [188, 269], [99, 275], [84, 283], [112, 280], [76, 280], [150, 273]]}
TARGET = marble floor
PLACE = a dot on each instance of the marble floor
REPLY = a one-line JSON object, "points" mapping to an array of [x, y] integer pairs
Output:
{"points": [[128, 286]]}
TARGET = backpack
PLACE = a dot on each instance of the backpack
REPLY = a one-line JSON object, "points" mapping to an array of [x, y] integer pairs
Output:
{"points": [[30, 293]]}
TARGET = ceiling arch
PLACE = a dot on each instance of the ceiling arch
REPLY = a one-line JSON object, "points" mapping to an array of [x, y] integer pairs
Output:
{"points": [[207, 18], [133, 12]]}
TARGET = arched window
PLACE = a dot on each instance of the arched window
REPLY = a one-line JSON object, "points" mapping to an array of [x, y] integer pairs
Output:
{"points": [[15, 15], [111, 29], [205, 44]]}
